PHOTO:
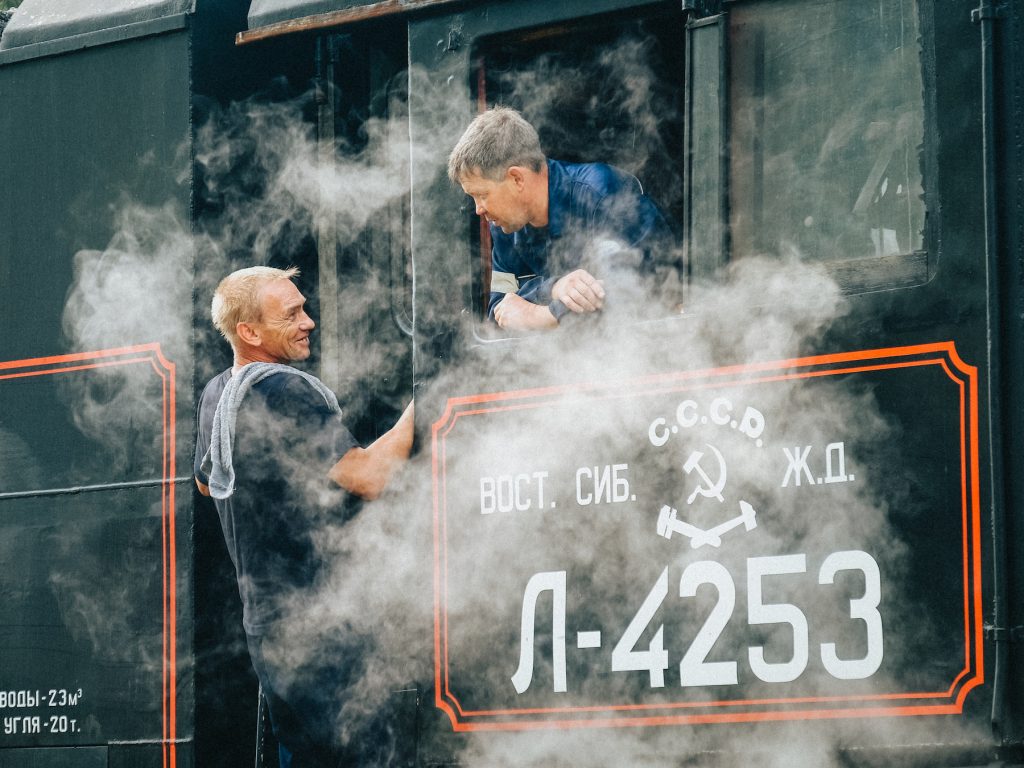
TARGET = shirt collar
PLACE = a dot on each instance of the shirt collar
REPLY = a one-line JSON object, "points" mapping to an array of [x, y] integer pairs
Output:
{"points": [[558, 182]]}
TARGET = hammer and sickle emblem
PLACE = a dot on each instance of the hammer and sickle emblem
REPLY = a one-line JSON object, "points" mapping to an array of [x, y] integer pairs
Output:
{"points": [[706, 487]]}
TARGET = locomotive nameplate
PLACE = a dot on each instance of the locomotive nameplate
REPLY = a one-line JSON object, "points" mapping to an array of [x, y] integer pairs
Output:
{"points": [[776, 541]]}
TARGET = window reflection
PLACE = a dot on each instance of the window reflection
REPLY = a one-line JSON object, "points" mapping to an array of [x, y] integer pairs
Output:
{"points": [[826, 125]]}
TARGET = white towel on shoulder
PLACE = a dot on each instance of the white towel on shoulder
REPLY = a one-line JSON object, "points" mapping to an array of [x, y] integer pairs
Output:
{"points": [[217, 462]]}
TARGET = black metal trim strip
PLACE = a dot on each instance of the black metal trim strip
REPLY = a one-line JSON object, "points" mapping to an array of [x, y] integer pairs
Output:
{"points": [[89, 489]]}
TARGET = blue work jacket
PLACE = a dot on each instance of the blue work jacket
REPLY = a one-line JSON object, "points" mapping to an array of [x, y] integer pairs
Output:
{"points": [[593, 210]]}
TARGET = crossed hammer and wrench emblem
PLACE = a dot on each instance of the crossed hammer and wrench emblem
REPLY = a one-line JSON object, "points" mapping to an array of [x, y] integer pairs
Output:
{"points": [[669, 522]]}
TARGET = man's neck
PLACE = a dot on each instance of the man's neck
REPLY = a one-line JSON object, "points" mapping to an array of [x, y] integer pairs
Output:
{"points": [[540, 197], [242, 359], [239, 363]]}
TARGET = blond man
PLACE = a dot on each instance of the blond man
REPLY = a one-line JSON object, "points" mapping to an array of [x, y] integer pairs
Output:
{"points": [[272, 450]]}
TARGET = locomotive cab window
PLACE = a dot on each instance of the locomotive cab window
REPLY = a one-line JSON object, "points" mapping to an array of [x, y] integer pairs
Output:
{"points": [[826, 132], [606, 91]]}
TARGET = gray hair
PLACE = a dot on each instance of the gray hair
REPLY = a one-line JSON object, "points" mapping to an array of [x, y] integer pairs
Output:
{"points": [[237, 298], [495, 141]]}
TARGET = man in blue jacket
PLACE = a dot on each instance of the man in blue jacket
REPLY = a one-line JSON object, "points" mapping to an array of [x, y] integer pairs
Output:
{"points": [[562, 234]]}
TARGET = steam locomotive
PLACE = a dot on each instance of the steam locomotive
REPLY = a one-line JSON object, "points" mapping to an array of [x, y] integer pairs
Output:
{"points": [[812, 429]]}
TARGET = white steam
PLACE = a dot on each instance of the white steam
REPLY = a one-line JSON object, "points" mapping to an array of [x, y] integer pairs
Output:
{"points": [[271, 191]]}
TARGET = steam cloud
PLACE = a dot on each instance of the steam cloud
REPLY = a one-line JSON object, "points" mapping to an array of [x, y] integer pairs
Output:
{"points": [[271, 191]]}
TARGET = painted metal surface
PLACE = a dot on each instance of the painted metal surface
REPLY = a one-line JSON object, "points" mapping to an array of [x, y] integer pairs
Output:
{"points": [[274, 18], [265, 12], [97, 628], [944, 304], [40, 21]]}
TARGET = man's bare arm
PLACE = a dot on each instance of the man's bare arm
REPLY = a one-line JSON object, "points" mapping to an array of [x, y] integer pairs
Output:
{"points": [[203, 488], [366, 471]]}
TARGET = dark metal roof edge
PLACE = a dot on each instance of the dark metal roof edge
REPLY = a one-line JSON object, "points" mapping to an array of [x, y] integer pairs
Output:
{"points": [[98, 37], [339, 18]]}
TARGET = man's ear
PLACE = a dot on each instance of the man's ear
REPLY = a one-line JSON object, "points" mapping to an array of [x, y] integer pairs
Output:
{"points": [[248, 333], [517, 175]]}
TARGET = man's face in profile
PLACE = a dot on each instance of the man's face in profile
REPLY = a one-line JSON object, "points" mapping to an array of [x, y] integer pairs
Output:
{"points": [[284, 327], [501, 203]]}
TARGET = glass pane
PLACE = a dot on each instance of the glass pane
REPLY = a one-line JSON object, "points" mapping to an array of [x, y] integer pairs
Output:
{"points": [[827, 125]]}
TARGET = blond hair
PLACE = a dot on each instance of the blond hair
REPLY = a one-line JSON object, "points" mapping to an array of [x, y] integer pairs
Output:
{"points": [[237, 298], [495, 141]]}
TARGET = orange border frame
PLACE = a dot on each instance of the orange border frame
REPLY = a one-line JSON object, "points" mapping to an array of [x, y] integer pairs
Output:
{"points": [[950, 701], [152, 355]]}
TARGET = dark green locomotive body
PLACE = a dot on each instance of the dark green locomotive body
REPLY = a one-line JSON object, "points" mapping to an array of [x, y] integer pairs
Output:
{"points": [[770, 510]]}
